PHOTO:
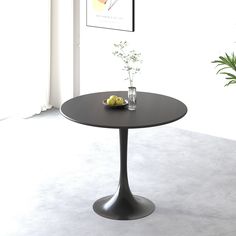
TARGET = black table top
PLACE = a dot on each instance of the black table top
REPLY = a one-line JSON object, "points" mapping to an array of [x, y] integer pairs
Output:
{"points": [[152, 110]]}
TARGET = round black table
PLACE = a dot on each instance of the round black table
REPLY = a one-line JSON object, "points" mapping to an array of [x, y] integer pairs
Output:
{"points": [[152, 110]]}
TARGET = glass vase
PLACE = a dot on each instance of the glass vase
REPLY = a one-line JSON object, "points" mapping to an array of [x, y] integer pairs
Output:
{"points": [[132, 97]]}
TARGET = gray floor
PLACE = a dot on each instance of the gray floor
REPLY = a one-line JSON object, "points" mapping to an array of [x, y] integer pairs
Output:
{"points": [[52, 170]]}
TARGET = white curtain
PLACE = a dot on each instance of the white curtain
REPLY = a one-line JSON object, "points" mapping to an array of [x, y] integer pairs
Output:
{"points": [[36, 55], [62, 45], [24, 57]]}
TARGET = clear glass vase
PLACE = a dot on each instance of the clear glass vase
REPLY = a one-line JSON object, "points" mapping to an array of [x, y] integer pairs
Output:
{"points": [[132, 98]]}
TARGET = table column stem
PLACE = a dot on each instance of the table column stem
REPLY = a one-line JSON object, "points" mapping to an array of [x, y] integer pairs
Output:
{"points": [[123, 182]]}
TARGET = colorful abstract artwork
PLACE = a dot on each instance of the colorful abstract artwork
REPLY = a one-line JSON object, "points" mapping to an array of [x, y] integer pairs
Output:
{"points": [[111, 14]]}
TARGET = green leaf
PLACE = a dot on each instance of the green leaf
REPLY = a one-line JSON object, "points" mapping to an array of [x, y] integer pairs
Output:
{"points": [[225, 61], [230, 61], [229, 74], [217, 61], [222, 69], [230, 82]]}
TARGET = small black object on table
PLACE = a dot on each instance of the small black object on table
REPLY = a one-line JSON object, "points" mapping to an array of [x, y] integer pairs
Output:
{"points": [[152, 110]]}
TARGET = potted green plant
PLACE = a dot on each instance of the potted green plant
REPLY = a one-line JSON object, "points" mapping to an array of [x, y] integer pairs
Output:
{"points": [[227, 67]]}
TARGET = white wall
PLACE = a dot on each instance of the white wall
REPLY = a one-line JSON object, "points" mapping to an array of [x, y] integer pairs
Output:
{"points": [[178, 40]]}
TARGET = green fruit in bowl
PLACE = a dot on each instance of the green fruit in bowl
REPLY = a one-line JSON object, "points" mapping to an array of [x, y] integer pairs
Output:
{"points": [[111, 102], [114, 100], [113, 97], [119, 101]]}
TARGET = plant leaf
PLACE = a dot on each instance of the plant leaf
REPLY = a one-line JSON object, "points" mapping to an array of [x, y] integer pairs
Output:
{"points": [[225, 61], [229, 74], [222, 69], [231, 82], [218, 61], [231, 61]]}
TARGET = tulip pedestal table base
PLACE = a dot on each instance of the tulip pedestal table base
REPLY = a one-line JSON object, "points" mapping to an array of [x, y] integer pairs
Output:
{"points": [[123, 205], [152, 110]]}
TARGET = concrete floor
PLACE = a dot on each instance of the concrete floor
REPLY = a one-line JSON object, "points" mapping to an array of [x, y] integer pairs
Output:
{"points": [[52, 170]]}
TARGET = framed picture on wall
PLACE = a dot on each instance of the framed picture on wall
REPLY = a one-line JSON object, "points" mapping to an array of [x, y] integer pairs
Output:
{"points": [[110, 14]]}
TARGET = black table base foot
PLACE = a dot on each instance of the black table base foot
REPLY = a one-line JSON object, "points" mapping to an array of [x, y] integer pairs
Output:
{"points": [[123, 209]]}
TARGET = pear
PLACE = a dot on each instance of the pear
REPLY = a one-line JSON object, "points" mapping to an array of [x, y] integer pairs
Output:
{"points": [[119, 101], [113, 97], [111, 102]]}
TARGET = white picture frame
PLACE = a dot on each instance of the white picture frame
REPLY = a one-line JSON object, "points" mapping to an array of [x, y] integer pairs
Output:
{"points": [[110, 14]]}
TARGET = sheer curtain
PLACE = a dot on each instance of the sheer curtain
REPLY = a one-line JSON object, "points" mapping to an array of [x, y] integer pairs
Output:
{"points": [[24, 57], [36, 55], [62, 46]]}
